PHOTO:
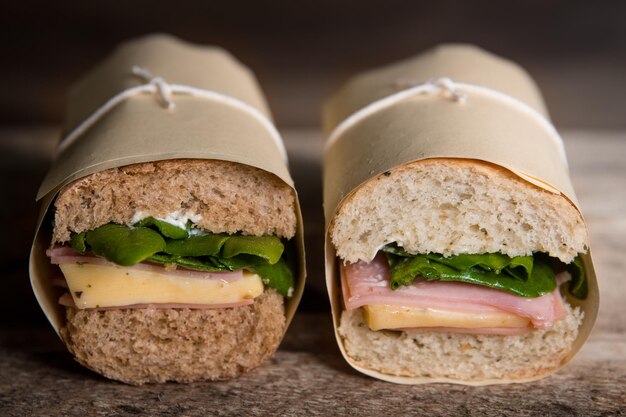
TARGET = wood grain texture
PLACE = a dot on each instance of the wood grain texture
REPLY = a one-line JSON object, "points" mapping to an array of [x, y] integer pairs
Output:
{"points": [[307, 376], [302, 52]]}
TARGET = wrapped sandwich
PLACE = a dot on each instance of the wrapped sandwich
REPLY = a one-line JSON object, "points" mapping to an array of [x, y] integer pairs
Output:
{"points": [[455, 247], [170, 239]]}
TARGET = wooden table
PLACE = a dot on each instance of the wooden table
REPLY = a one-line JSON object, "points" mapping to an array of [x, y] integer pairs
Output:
{"points": [[308, 376]]}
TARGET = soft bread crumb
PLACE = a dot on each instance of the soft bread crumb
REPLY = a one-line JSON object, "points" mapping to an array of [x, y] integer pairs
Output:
{"points": [[140, 346], [461, 357], [226, 196], [456, 206]]}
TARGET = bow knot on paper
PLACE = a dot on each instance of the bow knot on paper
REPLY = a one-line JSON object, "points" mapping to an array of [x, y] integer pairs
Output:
{"points": [[162, 89], [440, 85]]}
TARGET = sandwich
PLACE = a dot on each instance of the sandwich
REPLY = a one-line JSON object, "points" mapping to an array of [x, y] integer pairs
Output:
{"points": [[455, 249], [174, 270], [454, 269], [169, 242]]}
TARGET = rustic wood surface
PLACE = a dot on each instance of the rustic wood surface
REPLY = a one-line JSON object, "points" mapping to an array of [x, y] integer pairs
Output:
{"points": [[307, 376]]}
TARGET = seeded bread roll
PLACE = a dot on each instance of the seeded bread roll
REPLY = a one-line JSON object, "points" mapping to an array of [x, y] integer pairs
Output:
{"points": [[138, 346], [453, 206], [222, 196]]}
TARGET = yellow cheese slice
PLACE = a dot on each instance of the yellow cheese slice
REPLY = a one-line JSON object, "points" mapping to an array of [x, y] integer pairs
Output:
{"points": [[380, 317], [93, 286]]}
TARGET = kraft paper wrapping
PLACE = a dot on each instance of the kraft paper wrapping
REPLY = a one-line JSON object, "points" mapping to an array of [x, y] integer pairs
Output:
{"points": [[140, 129], [427, 126]]}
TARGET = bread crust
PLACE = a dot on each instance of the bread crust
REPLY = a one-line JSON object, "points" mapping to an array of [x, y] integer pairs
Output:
{"points": [[223, 197], [454, 206], [139, 346]]}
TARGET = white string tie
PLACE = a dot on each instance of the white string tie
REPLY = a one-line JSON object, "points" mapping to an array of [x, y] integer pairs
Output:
{"points": [[441, 85], [162, 89], [446, 88]]}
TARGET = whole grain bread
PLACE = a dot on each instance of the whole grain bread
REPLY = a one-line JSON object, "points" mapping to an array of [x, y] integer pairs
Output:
{"points": [[140, 346], [454, 206], [221, 196], [459, 357]]}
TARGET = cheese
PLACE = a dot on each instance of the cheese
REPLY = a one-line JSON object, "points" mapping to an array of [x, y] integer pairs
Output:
{"points": [[380, 317], [93, 286]]}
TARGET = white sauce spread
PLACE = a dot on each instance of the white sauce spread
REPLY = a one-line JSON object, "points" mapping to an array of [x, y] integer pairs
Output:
{"points": [[175, 218]]}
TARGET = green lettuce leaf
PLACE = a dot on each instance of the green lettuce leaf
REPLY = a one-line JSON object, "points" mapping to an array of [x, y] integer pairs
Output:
{"points": [[123, 245], [578, 286], [205, 245], [278, 275], [525, 276], [204, 263], [269, 248], [77, 240], [211, 252]]}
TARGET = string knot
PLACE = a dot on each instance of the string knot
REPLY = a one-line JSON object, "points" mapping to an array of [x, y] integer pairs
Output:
{"points": [[162, 89], [441, 85]]}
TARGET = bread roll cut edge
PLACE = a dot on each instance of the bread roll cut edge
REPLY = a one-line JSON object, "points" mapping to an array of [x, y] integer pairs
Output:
{"points": [[589, 307]]}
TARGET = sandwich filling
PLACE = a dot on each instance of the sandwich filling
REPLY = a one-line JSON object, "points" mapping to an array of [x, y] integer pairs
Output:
{"points": [[479, 294], [159, 263]]}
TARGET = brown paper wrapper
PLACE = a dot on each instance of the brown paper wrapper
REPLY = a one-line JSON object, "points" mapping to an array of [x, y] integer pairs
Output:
{"points": [[140, 129], [430, 126]]}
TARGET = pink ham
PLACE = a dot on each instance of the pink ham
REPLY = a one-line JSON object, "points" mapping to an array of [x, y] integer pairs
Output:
{"points": [[64, 255], [366, 283]]}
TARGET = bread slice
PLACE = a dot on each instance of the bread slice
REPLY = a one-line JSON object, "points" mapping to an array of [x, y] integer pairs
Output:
{"points": [[453, 206], [461, 357], [138, 346], [222, 196]]}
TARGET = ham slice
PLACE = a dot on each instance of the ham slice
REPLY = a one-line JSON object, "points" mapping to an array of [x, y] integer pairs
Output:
{"points": [[64, 254], [366, 283]]}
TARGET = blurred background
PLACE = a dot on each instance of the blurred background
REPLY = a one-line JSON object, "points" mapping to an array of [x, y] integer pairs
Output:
{"points": [[301, 52]]}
